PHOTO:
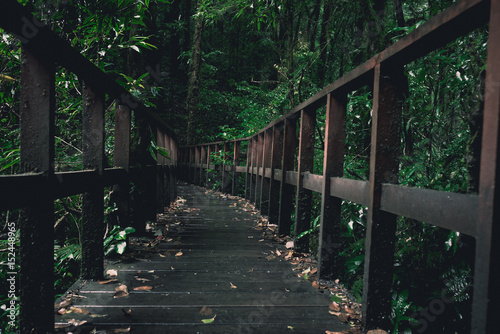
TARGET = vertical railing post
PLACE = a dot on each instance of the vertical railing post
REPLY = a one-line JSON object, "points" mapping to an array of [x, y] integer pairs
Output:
{"points": [[203, 160], [253, 174], [286, 191], [36, 288], [274, 186], [197, 165], [93, 201], [381, 225], [304, 196], [167, 164], [209, 160], [486, 276], [266, 164], [160, 165], [236, 163], [248, 179], [333, 166], [258, 164], [173, 169], [226, 180], [121, 158], [191, 165]]}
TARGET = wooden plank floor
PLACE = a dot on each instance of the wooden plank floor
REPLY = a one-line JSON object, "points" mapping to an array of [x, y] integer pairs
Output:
{"points": [[224, 268]]}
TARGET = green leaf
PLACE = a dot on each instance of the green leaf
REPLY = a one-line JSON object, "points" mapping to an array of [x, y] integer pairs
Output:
{"points": [[208, 321]]}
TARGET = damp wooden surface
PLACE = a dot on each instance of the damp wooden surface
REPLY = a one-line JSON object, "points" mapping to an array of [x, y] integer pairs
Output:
{"points": [[225, 269]]}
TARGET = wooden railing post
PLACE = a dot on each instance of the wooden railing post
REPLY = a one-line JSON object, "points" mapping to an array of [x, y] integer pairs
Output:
{"points": [[166, 170], [209, 160], [236, 163], [286, 191], [121, 158], [381, 225], [160, 171], [197, 165], [486, 276], [306, 162], [258, 164], [226, 180], [333, 165], [173, 170], [248, 180], [93, 201], [253, 173], [266, 163], [36, 288], [191, 165], [274, 186], [203, 159]]}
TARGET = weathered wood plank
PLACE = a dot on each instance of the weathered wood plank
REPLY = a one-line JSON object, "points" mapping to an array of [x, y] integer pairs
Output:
{"points": [[36, 253]]}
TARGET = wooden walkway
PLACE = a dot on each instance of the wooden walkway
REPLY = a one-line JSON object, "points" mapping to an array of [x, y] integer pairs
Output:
{"points": [[210, 263]]}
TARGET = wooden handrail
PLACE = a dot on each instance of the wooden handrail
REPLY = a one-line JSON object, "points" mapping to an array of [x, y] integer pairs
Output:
{"points": [[35, 190], [471, 214]]}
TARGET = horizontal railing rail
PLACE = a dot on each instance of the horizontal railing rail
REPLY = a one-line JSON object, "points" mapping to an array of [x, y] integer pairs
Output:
{"points": [[272, 180], [38, 185]]}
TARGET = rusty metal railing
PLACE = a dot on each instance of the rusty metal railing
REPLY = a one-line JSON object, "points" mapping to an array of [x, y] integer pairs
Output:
{"points": [[35, 190], [272, 180]]}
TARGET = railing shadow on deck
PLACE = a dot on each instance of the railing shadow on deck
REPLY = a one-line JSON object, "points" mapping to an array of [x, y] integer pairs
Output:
{"points": [[35, 190], [272, 181]]}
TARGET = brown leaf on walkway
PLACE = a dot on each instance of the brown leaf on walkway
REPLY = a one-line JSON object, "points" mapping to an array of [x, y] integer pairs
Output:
{"points": [[334, 306], [120, 294], [61, 326], [65, 303], [121, 287], [233, 286], [108, 281], [127, 312], [112, 272], [122, 330], [142, 279], [377, 331], [75, 322], [330, 332], [61, 311], [205, 310], [179, 254], [315, 285], [79, 310], [143, 288], [289, 244], [278, 252], [314, 271], [349, 310], [344, 317], [334, 313]]}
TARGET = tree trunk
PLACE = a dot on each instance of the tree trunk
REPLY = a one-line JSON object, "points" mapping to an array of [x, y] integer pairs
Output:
{"points": [[194, 82]]}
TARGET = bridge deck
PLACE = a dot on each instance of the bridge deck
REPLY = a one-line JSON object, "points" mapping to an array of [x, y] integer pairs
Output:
{"points": [[211, 262]]}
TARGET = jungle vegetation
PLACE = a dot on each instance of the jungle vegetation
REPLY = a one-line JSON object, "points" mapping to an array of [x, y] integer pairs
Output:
{"points": [[222, 69]]}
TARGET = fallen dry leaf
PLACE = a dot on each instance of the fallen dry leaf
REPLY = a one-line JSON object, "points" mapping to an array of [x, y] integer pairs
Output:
{"points": [[121, 287], [233, 286], [344, 317], [330, 332], [179, 254], [108, 281], [127, 312], [278, 253], [334, 313], [205, 310], [121, 330], [142, 279], [377, 331], [289, 244], [112, 272], [315, 285], [120, 294], [349, 310], [143, 288], [75, 322], [334, 306], [79, 310], [60, 326], [65, 303]]}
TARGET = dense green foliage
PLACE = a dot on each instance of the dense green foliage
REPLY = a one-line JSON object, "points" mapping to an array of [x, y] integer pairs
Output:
{"points": [[259, 59]]}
